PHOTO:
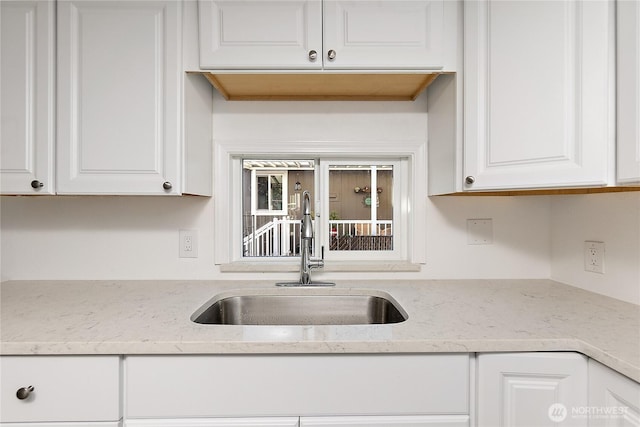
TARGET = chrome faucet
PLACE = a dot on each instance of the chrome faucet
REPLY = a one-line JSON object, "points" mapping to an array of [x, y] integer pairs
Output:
{"points": [[306, 240]]}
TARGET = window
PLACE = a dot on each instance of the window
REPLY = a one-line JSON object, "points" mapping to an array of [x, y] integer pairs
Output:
{"points": [[362, 207], [356, 204]]}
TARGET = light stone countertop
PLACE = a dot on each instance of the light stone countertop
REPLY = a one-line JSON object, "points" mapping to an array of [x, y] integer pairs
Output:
{"points": [[153, 317]]}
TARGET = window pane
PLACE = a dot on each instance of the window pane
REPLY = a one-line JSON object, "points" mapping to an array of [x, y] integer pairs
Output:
{"points": [[263, 192], [276, 192], [361, 208], [272, 194]]}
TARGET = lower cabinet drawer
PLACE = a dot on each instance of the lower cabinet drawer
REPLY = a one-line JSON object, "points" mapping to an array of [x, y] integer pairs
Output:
{"points": [[65, 388], [296, 385]]}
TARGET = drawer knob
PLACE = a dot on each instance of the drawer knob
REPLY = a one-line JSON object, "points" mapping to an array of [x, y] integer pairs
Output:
{"points": [[331, 55], [167, 185], [36, 185], [24, 392], [470, 180], [313, 55]]}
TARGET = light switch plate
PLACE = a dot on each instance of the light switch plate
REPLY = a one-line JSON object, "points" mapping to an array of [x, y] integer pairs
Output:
{"points": [[480, 231]]}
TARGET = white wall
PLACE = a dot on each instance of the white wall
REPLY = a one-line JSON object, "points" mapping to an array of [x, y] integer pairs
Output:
{"points": [[612, 218], [137, 237]]}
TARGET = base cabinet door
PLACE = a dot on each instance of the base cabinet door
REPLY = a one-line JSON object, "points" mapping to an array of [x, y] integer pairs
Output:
{"points": [[68, 390], [614, 400], [27, 114], [387, 421], [531, 389], [538, 94], [89, 424], [216, 422]]}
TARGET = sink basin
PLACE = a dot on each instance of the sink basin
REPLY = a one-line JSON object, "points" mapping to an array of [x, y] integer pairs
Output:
{"points": [[301, 309]]}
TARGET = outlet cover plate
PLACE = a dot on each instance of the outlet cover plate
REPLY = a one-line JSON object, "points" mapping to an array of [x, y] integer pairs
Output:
{"points": [[594, 256], [188, 244], [480, 231]]}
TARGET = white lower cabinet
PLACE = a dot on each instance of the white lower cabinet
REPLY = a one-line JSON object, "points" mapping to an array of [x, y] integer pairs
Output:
{"points": [[614, 400], [530, 389], [387, 388], [217, 422], [389, 421], [74, 391]]}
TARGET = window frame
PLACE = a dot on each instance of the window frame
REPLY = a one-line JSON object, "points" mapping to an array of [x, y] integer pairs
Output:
{"points": [[228, 184]]}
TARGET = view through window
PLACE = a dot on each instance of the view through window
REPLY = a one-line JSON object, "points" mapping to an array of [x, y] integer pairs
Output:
{"points": [[356, 209]]}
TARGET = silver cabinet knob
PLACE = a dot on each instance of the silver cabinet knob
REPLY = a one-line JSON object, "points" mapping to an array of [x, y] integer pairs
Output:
{"points": [[313, 55], [36, 185], [331, 55], [24, 392], [469, 180], [167, 185]]}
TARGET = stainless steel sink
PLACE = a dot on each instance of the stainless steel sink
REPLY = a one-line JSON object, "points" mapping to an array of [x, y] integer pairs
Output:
{"points": [[301, 309]]}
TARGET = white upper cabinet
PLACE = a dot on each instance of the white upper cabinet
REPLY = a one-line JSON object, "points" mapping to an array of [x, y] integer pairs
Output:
{"points": [[119, 105], [383, 34], [27, 114], [628, 108], [538, 94], [258, 34], [316, 34]]}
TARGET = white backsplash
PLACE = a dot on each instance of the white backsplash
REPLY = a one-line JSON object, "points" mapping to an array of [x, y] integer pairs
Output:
{"points": [[94, 237]]}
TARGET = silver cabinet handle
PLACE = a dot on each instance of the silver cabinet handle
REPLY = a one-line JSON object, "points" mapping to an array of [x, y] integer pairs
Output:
{"points": [[24, 392], [167, 185], [331, 55], [36, 185], [469, 180], [313, 55]]}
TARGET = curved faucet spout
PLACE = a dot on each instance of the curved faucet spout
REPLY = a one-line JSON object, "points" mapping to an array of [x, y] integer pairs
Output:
{"points": [[306, 240]]}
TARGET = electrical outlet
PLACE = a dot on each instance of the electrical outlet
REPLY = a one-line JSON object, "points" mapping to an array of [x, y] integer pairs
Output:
{"points": [[594, 256], [480, 231], [188, 244]]}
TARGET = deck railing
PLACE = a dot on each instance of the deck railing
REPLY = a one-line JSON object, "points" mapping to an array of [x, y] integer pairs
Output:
{"points": [[281, 236]]}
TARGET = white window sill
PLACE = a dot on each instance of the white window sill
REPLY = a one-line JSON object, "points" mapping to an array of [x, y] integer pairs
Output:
{"points": [[329, 266]]}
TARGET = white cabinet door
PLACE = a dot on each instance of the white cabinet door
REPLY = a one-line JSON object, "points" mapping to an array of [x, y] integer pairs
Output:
{"points": [[299, 34], [119, 78], [216, 422], [276, 385], [258, 34], [530, 389], [614, 398], [378, 34], [388, 421], [27, 114], [538, 93], [628, 74], [55, 424], [64, 389]]}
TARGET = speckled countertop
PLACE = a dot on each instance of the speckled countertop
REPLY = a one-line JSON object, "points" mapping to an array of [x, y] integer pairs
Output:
{"points": [[153, 317]]}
